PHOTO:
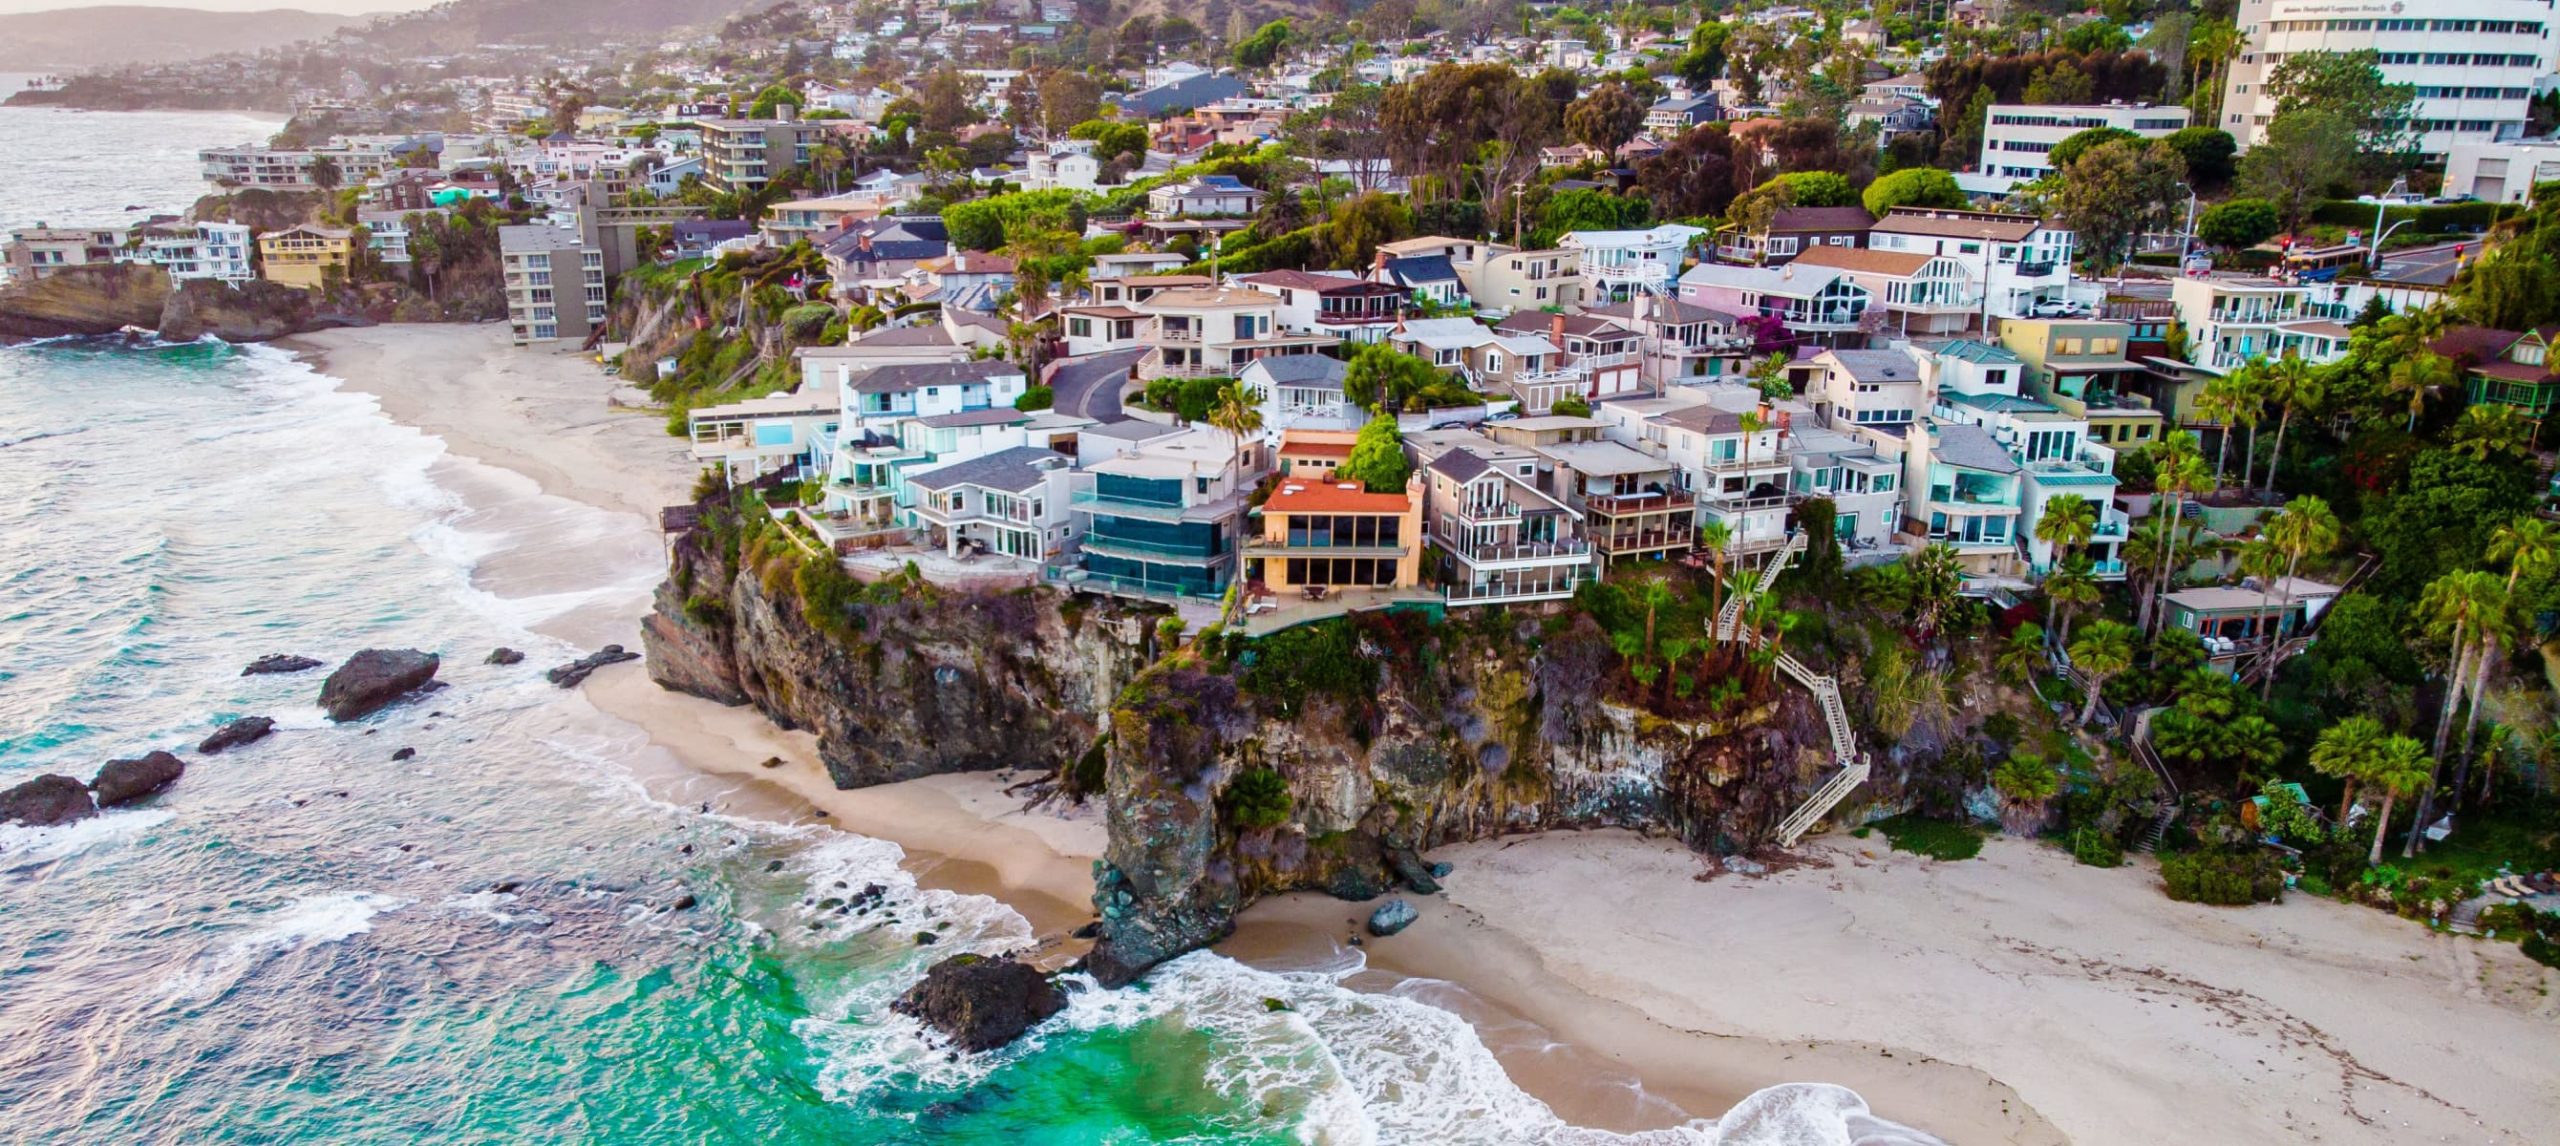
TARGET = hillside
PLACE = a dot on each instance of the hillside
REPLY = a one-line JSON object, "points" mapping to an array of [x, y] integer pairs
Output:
{"points": [[464, 23], [66, 39]]}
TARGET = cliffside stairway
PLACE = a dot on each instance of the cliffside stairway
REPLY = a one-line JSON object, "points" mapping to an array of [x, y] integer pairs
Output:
{"points": [[1826, 694], [2169, 795]]}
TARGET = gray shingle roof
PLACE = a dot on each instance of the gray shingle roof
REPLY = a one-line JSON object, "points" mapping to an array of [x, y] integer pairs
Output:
{"points": [[1300, 370], [1458, 465], [1970, 446], [1877, 365], [1012, 470], [917, 375]]}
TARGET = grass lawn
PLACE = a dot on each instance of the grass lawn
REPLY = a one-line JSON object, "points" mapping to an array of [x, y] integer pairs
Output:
{"points": [[1936, 839]]}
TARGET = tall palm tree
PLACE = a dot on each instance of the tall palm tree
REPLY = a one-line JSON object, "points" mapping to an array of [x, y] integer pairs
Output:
{"points": [[2303, 527], [1713, 536], [2180, 473], [2492, 429], [2347, 752], [2023, 654], [2399, 768], [2528, 546], [2415, 375], [2460, 603], [2219, 403], [2104, 649], [2292, 384], [1937, 577], [2248, 411], [1238, 411], [1657, 597], [2073, 584]]}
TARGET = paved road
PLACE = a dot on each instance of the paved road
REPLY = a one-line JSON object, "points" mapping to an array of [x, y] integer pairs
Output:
{"points": [[2424, 266], [1090, 386]]}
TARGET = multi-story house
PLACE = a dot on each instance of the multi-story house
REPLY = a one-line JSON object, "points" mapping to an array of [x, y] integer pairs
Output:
{"points": [[1528, 367], [1791, 231], [1675, 115], [2082, 368], [878, 399], [2230, 320], [2504, 367], [1864, 486], [1631, 503], [792, 434], [347, 164], [1728, 446], [1617, 265], [1013, 502], [1879, 390], [305, 255], [2475, 64], [1209, 196], [1099, 328], [1494, 276], [1130, 290], [1216, 332], [2018, 260], [745, 154], [1964, 491], [1677, 341], [1331, 534], [1163, 517], [877, 254], [1429, 277], [1339, 303], [815, 219], [1301, 392], [1919, 293], [2018, 139], [386, 234], [1605, 351], [36, 252], [1978, 385], [1496, 538], [216, 251], [554, 282], [1818, 304], [834, 367]]}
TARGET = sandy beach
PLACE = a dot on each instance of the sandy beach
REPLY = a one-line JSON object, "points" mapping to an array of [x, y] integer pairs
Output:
{"points": [[2012, 998]]}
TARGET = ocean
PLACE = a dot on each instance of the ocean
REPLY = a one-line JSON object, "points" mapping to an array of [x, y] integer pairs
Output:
{"points": [[511, 936]]}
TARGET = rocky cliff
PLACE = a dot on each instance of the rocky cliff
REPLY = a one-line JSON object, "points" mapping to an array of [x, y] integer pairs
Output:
{"points": [[102, 300], [1327, 757]]}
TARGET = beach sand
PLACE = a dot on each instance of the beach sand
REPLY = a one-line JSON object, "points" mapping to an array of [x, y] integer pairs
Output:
{"points": [[2016, 997]]}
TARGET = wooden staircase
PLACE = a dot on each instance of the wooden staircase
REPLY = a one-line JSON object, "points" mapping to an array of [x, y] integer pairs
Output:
{"points": [[2169, 796], [1826, 694], [2273, 658]]}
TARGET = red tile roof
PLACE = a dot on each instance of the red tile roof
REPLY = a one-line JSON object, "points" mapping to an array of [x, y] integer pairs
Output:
{"points": [[1332, 497]]}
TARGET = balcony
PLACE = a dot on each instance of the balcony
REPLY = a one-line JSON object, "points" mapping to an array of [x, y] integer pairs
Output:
{"points": [[1158, 552], [1680, 535], [1187, 335], [1561, 551], [1553, 583], [1630, 504]]}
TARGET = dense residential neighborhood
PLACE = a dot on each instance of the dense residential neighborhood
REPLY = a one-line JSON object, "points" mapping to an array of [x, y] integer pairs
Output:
{"points": [[2119, 427]]}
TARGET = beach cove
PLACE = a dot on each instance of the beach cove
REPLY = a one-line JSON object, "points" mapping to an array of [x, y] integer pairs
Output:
{"points": [[2014, 998]]}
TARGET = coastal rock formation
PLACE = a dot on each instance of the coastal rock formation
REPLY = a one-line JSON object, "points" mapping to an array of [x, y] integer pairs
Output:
{"points": [[122, 782], [896, 683], [106, 299], [279, 663], [246, 730], [981, 1003], [1392, 916], [574, 673], [46, 801], [374, 678], [503, 655]]}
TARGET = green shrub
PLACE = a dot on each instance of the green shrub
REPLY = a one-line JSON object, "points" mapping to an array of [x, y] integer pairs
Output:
{"points": [[1936, 839], [1258, 799], [2228, 879], [1036, 398], [1324, 658], [703, 610], [2096, 848]]}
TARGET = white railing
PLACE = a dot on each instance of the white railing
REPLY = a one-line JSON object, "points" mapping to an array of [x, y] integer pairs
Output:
{"points": [[1826, 695]]}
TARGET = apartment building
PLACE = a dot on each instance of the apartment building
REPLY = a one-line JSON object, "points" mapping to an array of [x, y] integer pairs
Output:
{"points": [[2500, 172], [216, 251], [357, 160], [2476, 64], [2018, 139], [555, 284], [304, 256], [38, 251], [745, 154]]}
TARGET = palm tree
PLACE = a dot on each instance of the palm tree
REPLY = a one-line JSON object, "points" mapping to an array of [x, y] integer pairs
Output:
{"points": [[2023, 654], [2465, 603], [2180, 473], [2304, 526], [1937, 577], [2528, 546], [2347, 752], [2414, 375], [1238, 411], [2104, 649], [2399, 768], [2291, 384], [2250, 410], [1657, 597], [2219, 404], [2067, 523], [1713, 536], [2073, 584], [1752, 424], [2253, 745]]}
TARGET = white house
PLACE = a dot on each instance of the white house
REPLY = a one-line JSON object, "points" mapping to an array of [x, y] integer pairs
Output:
{"points": [[2016, 260], [217, 251], [1618, 264], [1208, 195]]}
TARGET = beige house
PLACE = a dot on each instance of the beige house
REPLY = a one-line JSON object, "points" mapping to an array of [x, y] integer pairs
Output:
{"points": [[1215, 332], [1337, 535]]}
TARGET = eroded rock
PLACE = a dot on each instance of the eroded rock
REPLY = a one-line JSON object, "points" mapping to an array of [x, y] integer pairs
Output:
{"points": [[982, 1003], [374, 678]]}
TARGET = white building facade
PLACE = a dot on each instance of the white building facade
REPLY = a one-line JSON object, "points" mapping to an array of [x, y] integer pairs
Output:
{"points": [[2475, 63], [2018, 139]]}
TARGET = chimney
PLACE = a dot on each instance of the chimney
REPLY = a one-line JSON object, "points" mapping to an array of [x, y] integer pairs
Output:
{"points": [[1378, 262], [1557, 326]]}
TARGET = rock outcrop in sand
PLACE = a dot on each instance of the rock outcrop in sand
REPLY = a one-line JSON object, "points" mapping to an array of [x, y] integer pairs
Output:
{"points": [[374, 678]]}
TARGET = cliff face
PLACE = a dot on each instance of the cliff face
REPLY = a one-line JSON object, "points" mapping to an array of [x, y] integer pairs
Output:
{"points": [[910, 684], [1325, 758], [103, 300]]}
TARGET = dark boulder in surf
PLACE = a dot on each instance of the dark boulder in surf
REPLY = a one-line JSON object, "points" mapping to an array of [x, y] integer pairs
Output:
{"points": [[374, 678], [122, 782], [46, 801], [575, 672], [981, 1003], [504, 656], [279, 663], [246, 730]]}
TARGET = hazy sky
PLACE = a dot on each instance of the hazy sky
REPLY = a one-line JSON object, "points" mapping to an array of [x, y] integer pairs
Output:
{"points": [[340, 6]]}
